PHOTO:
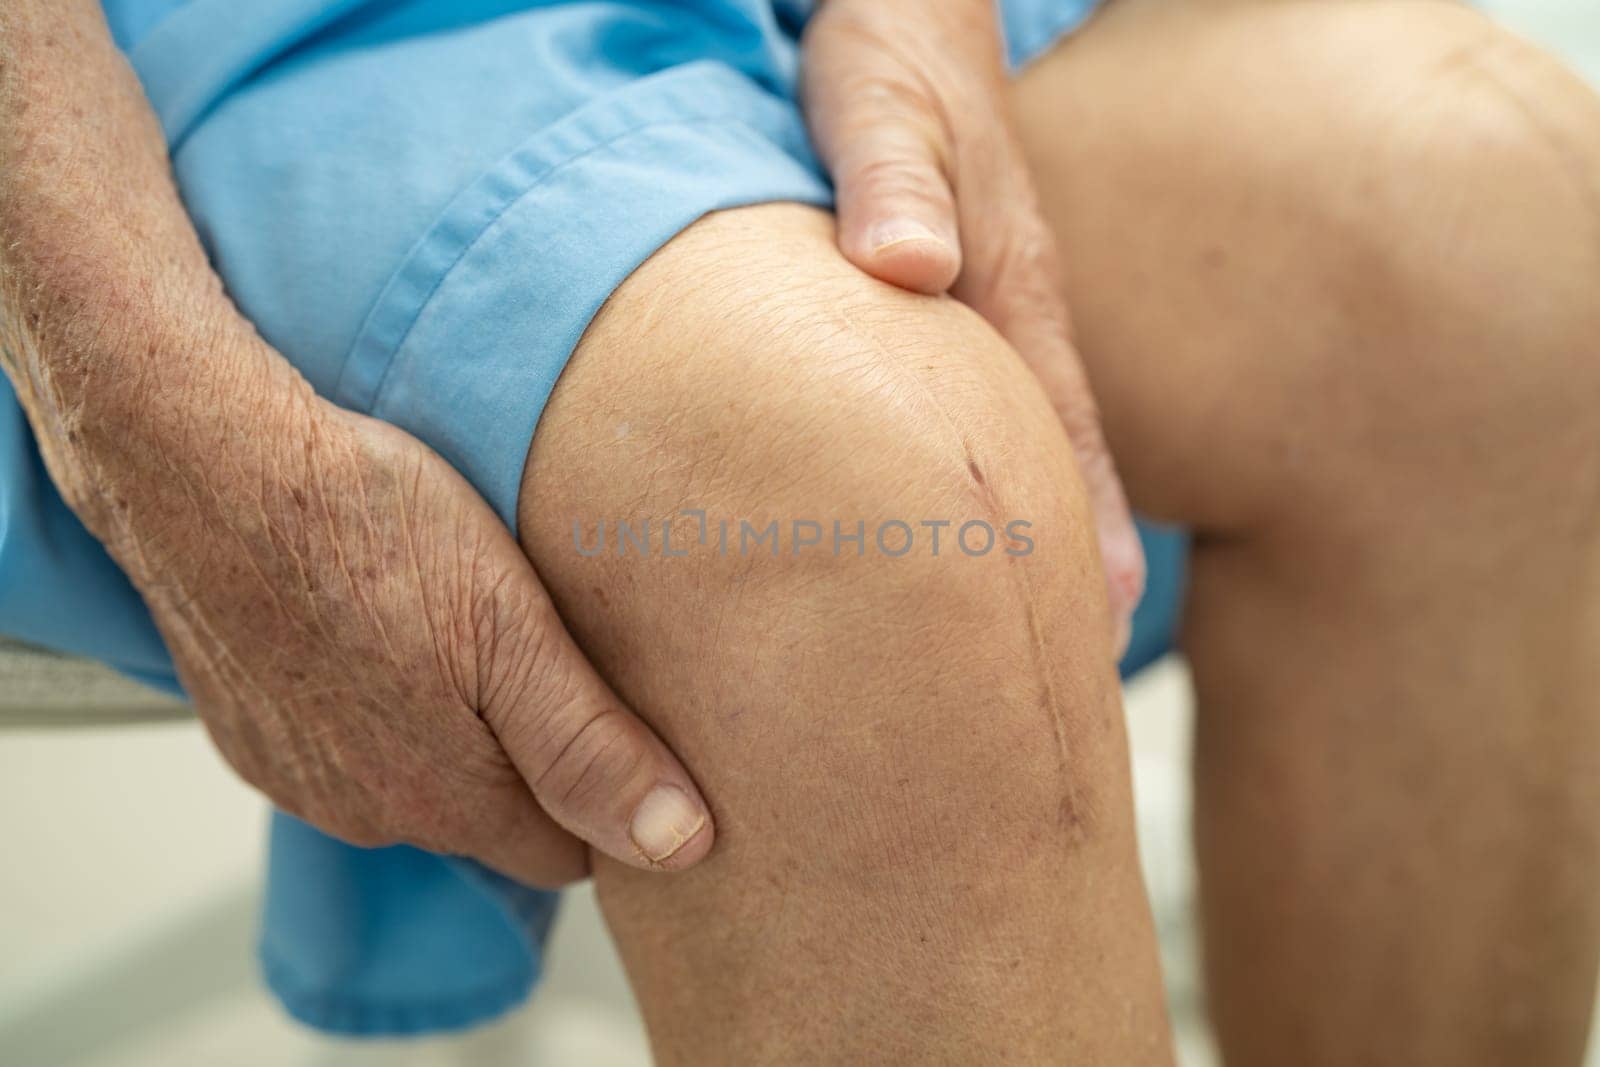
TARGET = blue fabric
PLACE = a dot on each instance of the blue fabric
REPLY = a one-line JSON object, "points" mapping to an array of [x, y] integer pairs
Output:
{"points": [[422, 203], [394, 940]]}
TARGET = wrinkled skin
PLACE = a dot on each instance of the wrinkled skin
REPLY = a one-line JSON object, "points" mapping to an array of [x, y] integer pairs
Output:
{"points": [[359, 632]]}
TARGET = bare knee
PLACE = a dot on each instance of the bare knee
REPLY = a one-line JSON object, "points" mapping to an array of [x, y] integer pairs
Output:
{"points": [[1336, 256], [1473, 379], [911, 744], [1445, 341], [867, 565], [1474, 209]]}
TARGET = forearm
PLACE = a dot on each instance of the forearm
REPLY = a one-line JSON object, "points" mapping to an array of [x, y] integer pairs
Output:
{"points": [[127, 355]]}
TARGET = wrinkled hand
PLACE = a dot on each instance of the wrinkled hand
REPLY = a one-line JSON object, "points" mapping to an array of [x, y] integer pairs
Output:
{"points": [[362, 637], [360, 634], [368, 646], [907, 102]]}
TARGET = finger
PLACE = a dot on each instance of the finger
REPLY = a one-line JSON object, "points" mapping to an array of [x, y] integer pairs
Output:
{"points": [[884, 146], [593, 765], [1012, 278], [896, 214]]}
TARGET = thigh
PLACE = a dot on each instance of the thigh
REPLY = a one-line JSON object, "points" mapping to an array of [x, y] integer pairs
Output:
{"points": [[1284, 226], [916, 759]]}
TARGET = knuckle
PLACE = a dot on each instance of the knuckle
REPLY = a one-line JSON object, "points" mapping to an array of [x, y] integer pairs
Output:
{"points": [[1022, 260], [1082, 420], [900, 176], [520, 659], [1014, 280], [595, 760], [877, 95]]}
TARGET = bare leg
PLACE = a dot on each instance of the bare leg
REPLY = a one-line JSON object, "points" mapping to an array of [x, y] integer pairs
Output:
{"points": [[918, 765], [1336, 273]]}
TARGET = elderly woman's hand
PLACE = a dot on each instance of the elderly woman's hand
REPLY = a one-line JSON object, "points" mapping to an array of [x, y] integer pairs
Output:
{"points": [[907, 103], [361, 635]]}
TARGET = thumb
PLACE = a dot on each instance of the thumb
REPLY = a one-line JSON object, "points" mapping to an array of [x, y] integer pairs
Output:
{"points": [[594, 766], [883, 145]]}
